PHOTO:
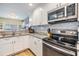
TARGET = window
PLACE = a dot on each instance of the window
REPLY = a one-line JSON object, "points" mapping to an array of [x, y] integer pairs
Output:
{"points": [[11, 27]]}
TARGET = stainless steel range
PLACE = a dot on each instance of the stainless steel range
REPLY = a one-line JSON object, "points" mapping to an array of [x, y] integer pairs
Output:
{"points": [[61, 44]]}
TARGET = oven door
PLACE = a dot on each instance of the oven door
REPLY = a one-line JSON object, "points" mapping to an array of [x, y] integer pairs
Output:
{"points": [[49, 50]]}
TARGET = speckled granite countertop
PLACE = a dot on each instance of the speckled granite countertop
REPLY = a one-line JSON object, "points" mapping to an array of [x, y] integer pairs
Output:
{"points": [[38, 35]]}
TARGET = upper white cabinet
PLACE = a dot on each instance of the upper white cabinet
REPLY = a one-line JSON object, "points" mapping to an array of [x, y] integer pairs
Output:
{"points": [[43, 17], [39, 17], [36, 17]]}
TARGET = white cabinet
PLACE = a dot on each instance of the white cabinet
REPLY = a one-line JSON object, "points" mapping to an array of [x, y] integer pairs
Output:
{"points": [[39, 46], [36, 17], [36, 45], [39, 17], [20, 43], [31, 43], [13, 44], [17, 44], [6, 46], [2, 49], [25, 41], [44, 17]]}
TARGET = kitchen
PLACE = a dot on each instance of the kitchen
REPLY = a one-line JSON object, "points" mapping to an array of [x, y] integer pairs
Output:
{"points": [[45, 29]]}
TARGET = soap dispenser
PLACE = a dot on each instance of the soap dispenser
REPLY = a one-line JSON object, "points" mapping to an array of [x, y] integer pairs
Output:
{"points": [[49, 33]]}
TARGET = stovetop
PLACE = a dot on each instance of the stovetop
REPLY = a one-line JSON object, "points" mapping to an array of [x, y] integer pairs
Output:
{"points": [[59, 43]]}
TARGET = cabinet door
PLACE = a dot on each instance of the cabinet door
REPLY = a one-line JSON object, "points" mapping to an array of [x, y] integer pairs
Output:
{"points": [[20, 43], [36, 45], [32, 44], [10, 44], [39, 46], [1, 47], [6, 47], [25, 42], [37, 17], [17, 42], [43, 17]]}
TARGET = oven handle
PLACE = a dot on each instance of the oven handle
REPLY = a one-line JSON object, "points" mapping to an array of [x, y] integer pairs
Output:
{"points": [[60, 49]]}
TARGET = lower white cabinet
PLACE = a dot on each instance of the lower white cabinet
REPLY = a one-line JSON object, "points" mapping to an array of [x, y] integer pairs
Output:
{"points": [[17, 44], [36, 45], [20, 43], [6, 46], [39, 47], [13, 44], [25, 41]]}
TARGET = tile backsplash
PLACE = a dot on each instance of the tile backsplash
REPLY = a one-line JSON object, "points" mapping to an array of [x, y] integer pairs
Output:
{"points": [[68, 25], [59, 26], [41, 28]]}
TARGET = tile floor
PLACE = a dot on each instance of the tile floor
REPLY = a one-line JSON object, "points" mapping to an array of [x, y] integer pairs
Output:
{"points": [[25, 53]]}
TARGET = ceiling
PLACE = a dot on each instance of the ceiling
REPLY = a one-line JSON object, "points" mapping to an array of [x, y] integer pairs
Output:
{"points": [[18, 10]]}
